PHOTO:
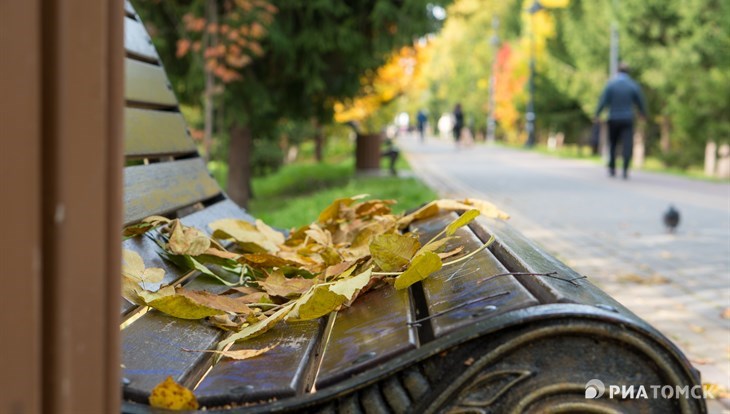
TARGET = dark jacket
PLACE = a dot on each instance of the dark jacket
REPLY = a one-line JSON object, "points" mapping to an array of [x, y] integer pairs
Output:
{"points": [[620, 94]]}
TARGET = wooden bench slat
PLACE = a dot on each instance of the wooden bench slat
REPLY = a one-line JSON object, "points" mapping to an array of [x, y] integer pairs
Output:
{"points": [[521, 254], [164, 187], [151, 133], [458, 284], [137, 42], [152, 350], [146, 83], [372, 331], [278, 373]]}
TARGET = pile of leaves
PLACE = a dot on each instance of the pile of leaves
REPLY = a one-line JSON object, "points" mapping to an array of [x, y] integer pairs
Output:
{"points": [[354, 246]]}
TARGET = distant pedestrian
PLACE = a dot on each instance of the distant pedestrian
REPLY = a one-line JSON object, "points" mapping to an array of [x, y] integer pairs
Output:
{"points": [[421, 120], [620, 95], [458, 122]]}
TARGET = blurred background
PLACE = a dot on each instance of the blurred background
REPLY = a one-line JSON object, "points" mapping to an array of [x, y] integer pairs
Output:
{"points": [[267, 84]]}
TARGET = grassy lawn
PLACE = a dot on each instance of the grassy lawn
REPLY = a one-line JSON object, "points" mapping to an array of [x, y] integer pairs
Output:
{"points": [[295, 195]]}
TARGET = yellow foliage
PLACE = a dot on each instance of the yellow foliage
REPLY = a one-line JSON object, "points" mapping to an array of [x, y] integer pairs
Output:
{"points": [[384, 85]]}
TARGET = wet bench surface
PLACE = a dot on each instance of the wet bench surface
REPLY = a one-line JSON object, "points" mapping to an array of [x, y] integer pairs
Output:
{"points": [[457, 341]]}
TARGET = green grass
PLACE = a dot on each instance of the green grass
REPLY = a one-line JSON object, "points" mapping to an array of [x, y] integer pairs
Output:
{"points": [[298, 193]]}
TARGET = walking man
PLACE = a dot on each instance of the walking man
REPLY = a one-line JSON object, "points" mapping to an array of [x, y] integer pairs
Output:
{"points": [[620, 95]]}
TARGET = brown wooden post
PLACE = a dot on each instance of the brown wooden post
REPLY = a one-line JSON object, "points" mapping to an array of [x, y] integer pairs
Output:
{"points": [[62, 82], [20, 206]]}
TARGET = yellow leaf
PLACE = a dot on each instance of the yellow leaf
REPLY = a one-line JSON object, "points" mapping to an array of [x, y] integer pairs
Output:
{"points": [[392, 252], [272, 235], [172, 396], [324, 299], [463, 220], [316, 303], [347, 287], [245, 234], [333, 210], [429, 210], [239, 354], [485, 207], [183, 307], [422, 267], [133, 267], [257, 328], [187, 240]]}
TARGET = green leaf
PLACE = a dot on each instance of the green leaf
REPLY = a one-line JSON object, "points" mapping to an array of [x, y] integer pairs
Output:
{"points": [[194, 264], [421, 267], [463, 220], [392, 252]]}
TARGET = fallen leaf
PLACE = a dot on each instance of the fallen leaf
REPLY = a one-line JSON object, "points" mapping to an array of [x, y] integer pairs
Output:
{"points": [[463, 220], [486, 208], [248, 236], [275, 237], [239, 354], [133, 267], [429, 210], [266, 260], [696, 328], [392, 252], [332, 211], [726, 313], [278, 285], [187, 240], [450, 253], [183, 307], [257, 328], [324, 299], [420, 268], [373, 208], [347, 287], [172, 396]]}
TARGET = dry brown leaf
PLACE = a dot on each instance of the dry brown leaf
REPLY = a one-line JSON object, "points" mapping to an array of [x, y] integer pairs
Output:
{"points": [[220, 302], [187, 240], [278, 285]]}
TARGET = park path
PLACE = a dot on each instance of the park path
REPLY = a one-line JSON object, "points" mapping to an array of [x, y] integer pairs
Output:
{"points": [[611, 230]]}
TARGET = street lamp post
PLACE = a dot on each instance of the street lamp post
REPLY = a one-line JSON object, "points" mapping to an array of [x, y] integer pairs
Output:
{"points": [[530, 115]]}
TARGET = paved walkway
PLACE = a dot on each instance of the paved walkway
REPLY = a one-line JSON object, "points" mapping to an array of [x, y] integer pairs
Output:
{"points": [[611, 230]]}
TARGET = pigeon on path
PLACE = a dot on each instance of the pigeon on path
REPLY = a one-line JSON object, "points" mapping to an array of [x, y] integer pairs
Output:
{"points": [[671, 219]]}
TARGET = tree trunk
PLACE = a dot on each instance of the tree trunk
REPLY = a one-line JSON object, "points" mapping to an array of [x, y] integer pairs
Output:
{"points": [[239, 165], [318, 141], [209, 41]]}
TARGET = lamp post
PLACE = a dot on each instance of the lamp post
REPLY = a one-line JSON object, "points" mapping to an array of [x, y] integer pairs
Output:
{"points": [[530, 115], [494, 42]]}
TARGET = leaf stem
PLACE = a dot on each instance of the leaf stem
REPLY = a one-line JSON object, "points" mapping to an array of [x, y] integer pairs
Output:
{"points": [[468, 256]]}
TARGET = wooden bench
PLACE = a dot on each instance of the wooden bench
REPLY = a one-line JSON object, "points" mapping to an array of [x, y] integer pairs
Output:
{"points": [[461, 341]]}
